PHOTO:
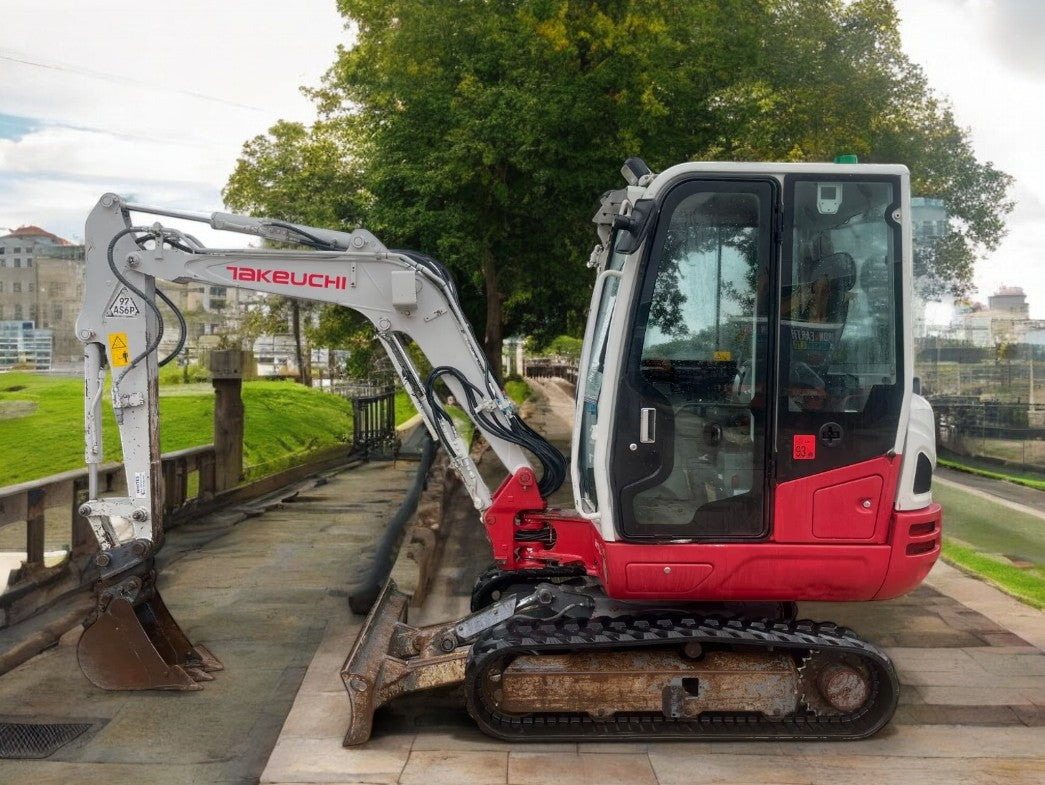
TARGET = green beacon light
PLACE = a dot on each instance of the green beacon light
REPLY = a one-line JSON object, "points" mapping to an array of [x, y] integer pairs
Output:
{"points": [[847, 158]]}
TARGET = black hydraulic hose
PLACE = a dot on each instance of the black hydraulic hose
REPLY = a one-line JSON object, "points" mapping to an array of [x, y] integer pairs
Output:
{"points": [[183, 329], [553, 463], [363, 598], [155, 341]]}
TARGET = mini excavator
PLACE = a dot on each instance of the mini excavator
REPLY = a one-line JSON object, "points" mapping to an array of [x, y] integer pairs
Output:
{"points": [[747, 436]]}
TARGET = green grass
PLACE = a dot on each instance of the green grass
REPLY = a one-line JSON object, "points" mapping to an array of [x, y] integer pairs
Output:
{"points": [[41, 424], [1025, 584], [989, 527], [1030, 482], [984, 538], [518, 390]]}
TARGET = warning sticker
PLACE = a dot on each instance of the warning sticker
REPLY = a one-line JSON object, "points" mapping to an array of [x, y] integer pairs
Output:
{"points": [[804, 447], [123, 305], [118, 350], [723, 357]]}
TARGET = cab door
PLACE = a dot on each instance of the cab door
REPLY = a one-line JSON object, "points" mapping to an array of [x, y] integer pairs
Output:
{"points": [[689, 456]]}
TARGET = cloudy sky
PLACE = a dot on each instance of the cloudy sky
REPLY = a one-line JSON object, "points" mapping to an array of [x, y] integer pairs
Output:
{"points": [[154, 99]]}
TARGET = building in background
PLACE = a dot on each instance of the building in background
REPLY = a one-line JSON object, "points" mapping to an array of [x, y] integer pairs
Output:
{"points": [[24, 347], [41, 286], [928, 223], [42, 279]]}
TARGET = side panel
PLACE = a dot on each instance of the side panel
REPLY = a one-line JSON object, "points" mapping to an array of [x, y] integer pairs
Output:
{"points": [[851, 504]]}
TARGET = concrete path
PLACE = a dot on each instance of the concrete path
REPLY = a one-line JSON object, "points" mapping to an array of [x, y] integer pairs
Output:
{"points": [[972, 710], [1018, 497], [261, 593]]}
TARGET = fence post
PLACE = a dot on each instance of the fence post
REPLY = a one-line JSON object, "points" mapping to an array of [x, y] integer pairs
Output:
{"points": [[34, 529], [226, 367]]}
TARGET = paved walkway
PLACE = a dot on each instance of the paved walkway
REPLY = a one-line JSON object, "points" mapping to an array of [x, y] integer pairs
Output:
{"points": [[1013, 495]]}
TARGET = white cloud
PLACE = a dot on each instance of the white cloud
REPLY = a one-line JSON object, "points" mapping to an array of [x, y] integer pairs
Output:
{"points": [[968, 51], [150, 98]]}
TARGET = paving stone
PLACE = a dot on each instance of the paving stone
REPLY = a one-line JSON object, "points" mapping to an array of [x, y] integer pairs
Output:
{"points": [[844, 768], [314, 760], [975, 696], [935, 741], [456, 767], [321, 715], [928, 714], [1011, 661], [537, 768], [673, 767], [1031, 716], [932, 660], [1002, 638]]}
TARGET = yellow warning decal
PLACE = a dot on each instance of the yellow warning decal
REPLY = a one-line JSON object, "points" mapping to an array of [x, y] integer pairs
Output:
{"points": [[118, 350], [723, 357]]}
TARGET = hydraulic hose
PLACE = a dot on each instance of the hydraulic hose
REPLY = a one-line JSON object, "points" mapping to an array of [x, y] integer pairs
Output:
{"points": [[363, 598]]}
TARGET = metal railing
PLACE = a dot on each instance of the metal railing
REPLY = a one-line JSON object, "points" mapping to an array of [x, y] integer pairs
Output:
{"points": [[374, 422], [551, 367]]}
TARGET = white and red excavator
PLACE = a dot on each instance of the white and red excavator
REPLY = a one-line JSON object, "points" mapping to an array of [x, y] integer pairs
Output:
{"points": [[747, 436]]}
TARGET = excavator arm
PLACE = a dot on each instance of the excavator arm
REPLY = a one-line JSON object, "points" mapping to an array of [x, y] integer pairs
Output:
{"points": [[407, 296]]}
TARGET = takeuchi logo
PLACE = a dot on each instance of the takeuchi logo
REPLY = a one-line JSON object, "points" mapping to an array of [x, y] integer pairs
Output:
{"points": [[287, 277]]}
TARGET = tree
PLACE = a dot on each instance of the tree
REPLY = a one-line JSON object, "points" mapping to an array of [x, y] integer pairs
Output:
{"points": [[302, 175], [484, 132]]}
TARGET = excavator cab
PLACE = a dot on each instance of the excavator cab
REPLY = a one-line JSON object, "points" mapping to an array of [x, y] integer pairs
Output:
{"points": [[745, 378]]}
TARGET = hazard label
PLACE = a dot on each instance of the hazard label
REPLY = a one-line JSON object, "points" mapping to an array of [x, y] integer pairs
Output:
{"points": [[118, 349], [804, 447], [123, 305]]}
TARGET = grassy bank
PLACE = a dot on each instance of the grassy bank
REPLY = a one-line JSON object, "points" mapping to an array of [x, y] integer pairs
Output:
{"points": [[41, 424], [1004, 547], [1026, 584], [993, 473]]}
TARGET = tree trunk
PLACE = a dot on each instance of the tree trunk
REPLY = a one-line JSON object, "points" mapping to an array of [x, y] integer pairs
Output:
{"points": [[304, 371], [493, 338]]}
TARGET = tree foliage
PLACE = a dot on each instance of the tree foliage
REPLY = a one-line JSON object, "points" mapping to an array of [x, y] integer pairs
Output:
{"points": [[302, 175], [484, 132]]}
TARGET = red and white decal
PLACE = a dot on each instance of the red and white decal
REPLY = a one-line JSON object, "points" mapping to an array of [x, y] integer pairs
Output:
{"points": [[287, 277]]}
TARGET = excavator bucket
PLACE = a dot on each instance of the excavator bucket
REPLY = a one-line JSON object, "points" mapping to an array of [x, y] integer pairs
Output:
{"points": [[390, 658], [140, 646]]}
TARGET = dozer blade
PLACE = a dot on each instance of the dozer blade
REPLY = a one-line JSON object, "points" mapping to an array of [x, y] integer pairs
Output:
{"points": [[390, 658], [141, 647]]}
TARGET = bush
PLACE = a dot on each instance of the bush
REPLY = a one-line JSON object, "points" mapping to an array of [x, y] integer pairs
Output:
{"points": [[183, 374], [565, 346]]}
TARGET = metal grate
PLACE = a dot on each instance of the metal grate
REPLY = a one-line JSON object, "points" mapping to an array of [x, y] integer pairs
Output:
{"points": [[37, 740]]}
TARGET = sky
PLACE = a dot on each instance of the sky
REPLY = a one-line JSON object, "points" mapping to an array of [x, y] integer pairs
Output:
{"points": [[153, 100]]}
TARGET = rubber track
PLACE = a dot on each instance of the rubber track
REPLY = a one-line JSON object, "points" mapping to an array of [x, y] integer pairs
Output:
{"points": [[495, 648]]}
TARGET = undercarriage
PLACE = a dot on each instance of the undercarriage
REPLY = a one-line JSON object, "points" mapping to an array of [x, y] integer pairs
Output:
{"points": [[565, 663]]}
